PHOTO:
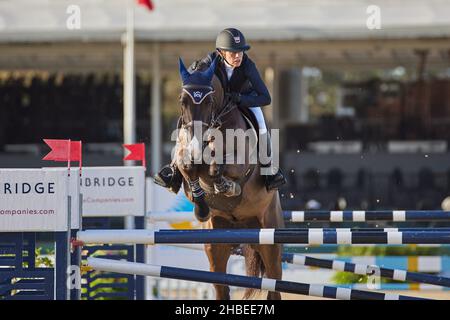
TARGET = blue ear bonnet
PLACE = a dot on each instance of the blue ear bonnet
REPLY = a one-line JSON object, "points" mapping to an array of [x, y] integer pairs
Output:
{"points": [[198, 94], [197, 84]]}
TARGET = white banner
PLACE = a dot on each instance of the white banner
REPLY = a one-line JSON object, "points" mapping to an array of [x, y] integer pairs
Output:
{"points": [[113, 191], [33, 200]]}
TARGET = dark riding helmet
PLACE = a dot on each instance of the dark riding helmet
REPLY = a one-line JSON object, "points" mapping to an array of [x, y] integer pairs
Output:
{"points": [[231, 39]]}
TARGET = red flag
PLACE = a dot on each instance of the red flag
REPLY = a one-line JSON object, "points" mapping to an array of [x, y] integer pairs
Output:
{"points": [[60, 150], [75, 151], [146, 3], [64, 150], [137, 152]]}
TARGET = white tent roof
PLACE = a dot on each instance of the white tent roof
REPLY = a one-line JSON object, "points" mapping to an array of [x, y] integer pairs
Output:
{"points": [[182, 20]]}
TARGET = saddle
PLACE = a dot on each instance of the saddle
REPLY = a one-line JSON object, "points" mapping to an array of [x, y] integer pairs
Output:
{"points": [[249, 116]]}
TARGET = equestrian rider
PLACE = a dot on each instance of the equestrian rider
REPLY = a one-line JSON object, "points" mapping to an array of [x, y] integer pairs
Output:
{"points": [[244, 86]]}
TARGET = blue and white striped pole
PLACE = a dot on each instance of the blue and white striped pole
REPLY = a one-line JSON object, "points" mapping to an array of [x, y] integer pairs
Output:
{"points": [[356, 268], [325, 216], [345, 229], [364, 269], [240, 281], [362, 216], [263, 236]]}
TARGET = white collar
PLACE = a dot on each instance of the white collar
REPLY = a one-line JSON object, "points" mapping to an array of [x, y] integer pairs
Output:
{"points": [[229, 69]]}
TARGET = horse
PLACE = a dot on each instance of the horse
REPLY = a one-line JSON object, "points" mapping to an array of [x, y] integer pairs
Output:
{"points": [[224, 195]]}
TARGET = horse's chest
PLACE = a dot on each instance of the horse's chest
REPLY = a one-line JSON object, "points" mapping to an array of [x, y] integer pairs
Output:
{"points": [[222, 219]]}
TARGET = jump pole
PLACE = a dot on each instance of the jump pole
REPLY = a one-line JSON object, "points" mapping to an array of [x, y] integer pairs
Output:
{"points": [[142, 269], [262, 236], [325, 216]]}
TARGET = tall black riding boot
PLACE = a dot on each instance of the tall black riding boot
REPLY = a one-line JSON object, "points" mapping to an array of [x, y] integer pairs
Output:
{"points": [[275, 178]]}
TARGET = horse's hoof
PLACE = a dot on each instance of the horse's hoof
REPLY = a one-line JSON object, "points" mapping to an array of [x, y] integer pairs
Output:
{"points": [[238, 189], [201, 211], [234, 191], [228, 188]]}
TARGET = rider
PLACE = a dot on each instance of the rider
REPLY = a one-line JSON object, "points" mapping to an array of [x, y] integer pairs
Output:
{"points": [[244, 86]]}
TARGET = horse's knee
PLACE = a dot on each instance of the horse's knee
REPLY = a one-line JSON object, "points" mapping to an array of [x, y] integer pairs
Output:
{"points": [[188, 168], [215, 171]]}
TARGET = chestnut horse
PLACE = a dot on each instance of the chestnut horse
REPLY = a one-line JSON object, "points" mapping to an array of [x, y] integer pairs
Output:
{"points": [[224, 195]]}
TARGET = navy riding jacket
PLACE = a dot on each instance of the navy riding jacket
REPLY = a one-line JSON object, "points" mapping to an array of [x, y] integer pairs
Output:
{"points": [[245, 80]]}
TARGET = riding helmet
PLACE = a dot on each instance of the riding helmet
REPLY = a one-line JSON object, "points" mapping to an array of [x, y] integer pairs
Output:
{"points": [[231, 39]]}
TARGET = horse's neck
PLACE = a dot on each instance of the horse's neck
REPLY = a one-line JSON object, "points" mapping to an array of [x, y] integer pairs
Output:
{"points": [[233, 119]]}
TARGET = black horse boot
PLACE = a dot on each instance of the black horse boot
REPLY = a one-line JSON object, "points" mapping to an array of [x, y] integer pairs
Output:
{"points": [[276, 178], [169, 177]]}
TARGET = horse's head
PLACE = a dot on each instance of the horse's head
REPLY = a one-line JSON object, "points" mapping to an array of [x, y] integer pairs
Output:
{"points": [[198, 104], [197, 96]]}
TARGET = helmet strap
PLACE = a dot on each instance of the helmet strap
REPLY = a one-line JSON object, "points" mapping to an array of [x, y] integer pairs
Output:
{"points": [[223, 56]]}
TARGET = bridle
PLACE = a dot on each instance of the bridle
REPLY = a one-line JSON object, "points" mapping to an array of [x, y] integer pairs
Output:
{"points": [[217, 120]]}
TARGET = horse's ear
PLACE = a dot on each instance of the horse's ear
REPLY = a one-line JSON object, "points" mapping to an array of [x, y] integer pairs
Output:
{"points": [[183, 71], [209, 73]]}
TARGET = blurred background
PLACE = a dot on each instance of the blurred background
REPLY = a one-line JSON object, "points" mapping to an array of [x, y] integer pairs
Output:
{"points": [[360, 89]]}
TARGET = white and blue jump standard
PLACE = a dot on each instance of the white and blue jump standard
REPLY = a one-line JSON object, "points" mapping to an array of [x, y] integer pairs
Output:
{"points": [[35, 202], [97, 184], [47, 202]]}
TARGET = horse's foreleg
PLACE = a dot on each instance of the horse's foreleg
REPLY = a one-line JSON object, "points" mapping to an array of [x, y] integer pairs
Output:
{"points": [[201, 208], [190, 173]]}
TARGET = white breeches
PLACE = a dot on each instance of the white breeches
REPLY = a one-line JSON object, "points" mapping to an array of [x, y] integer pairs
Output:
{"points": [[259, 115]]}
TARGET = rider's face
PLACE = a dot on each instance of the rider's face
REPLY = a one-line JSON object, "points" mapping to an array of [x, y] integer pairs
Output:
{"points": [[233, 58]]}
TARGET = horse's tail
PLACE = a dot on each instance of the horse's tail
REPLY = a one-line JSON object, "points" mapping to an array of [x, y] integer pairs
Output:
{"points": [[254, 267]]}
